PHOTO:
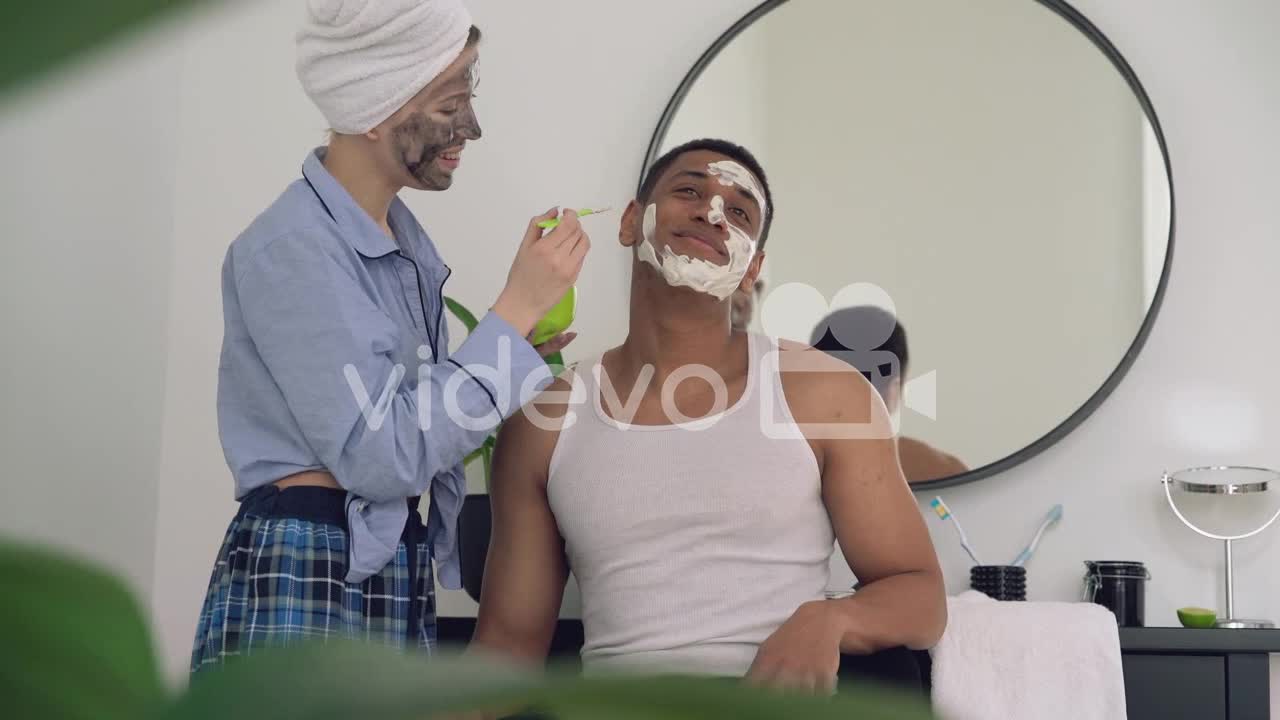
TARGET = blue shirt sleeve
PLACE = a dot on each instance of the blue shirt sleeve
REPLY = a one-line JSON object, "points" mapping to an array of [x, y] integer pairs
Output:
{"points": [[326, 343]]}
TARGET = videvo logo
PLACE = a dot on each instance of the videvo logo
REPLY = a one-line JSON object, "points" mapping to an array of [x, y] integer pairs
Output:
{"points": [[856, 326], [859, 327]]}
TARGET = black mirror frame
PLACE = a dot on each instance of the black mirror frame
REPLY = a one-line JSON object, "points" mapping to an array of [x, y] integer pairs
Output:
{"points": [[1081, 23]]}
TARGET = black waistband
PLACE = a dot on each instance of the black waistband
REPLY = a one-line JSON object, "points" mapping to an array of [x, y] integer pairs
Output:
{"points": [[313, 504]]}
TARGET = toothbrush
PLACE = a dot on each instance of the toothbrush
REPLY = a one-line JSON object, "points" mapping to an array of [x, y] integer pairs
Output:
{"points": [[548, 224], [944, 512], [1055, 514]]}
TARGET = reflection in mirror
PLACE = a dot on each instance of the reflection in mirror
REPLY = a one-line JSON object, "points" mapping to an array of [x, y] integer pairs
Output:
{"points": [[873, 341], [985, 166]]}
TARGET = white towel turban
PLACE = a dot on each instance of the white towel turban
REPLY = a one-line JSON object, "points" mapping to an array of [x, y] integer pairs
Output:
{"points": [[361, 60]]}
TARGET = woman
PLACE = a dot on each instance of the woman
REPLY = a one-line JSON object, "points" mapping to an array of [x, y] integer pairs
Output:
{"points": [[338, 405]]}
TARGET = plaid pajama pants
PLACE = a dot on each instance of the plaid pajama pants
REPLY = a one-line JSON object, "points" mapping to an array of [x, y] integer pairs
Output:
{"points": [[279, 579]]}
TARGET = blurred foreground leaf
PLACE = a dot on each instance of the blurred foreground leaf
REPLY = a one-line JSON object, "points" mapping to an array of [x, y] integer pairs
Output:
{"points": [[36, 37], [77, 647], [681, 698], [340, 680], [75, 644]]}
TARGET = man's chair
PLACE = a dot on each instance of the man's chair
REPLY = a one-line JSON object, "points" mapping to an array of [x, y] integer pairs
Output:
{"points": [[474, 523]]}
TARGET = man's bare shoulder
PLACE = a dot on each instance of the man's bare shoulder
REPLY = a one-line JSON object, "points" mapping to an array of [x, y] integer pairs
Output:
{"points": [[545, 413], [822, 388], [555, 401], [531, 433]]}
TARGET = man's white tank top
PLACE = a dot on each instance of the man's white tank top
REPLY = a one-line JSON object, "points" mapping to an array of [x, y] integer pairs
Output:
{"points": [[691, 543]]}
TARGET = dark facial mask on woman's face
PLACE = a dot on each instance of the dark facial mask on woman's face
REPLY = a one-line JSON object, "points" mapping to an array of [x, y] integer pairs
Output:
{"points": [[424, 135], [419, 140]]}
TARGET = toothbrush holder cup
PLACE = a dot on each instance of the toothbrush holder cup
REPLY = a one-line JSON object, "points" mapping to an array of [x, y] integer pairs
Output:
{"points": [[1001, 582]]}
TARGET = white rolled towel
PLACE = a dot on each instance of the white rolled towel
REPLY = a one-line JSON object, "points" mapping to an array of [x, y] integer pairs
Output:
{"points": [[361, 60]]}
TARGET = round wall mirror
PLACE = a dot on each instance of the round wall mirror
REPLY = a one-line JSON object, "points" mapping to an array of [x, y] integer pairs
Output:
{"points": [[990, 173]]}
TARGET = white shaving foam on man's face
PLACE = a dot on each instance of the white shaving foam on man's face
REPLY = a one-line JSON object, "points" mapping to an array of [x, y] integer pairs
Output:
{"points": [[731, 173], [719, 281]]}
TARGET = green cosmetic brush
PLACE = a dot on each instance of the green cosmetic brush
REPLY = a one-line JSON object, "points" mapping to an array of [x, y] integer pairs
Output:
{"points": [[548, 224]]}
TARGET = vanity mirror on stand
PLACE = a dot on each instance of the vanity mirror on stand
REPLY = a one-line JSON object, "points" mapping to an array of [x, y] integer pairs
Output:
{"points": [[1235, 503]]}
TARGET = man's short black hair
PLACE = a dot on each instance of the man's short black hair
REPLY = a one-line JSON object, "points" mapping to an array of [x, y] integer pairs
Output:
{"points": [[853, 334], [721, 147], [473, 36]]}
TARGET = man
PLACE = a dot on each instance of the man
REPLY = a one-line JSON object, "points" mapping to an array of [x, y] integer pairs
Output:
{"points": [[873, 341], [699, 530]]}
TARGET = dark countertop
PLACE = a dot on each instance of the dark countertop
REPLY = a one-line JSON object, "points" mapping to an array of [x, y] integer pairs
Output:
{"points": [[1209, 640], [1218, 641]]}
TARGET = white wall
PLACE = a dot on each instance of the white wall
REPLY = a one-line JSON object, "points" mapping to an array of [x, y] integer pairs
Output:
{"points": [[1201, 392], [245, 128], [731, 98], [86, 207]]}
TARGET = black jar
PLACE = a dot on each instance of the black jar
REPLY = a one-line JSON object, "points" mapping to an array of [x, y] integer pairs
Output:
{"points": [[1119, 586]]}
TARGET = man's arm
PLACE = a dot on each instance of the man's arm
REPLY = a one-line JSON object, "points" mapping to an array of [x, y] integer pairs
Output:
{"points": [[901, 600], [526, 569]]}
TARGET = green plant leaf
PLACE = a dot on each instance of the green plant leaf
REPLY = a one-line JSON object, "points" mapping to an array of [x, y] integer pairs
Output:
{"points": [[36, 37], [77, 647], [464, 315], [488, 445], [75, 644], [340, 680]]}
